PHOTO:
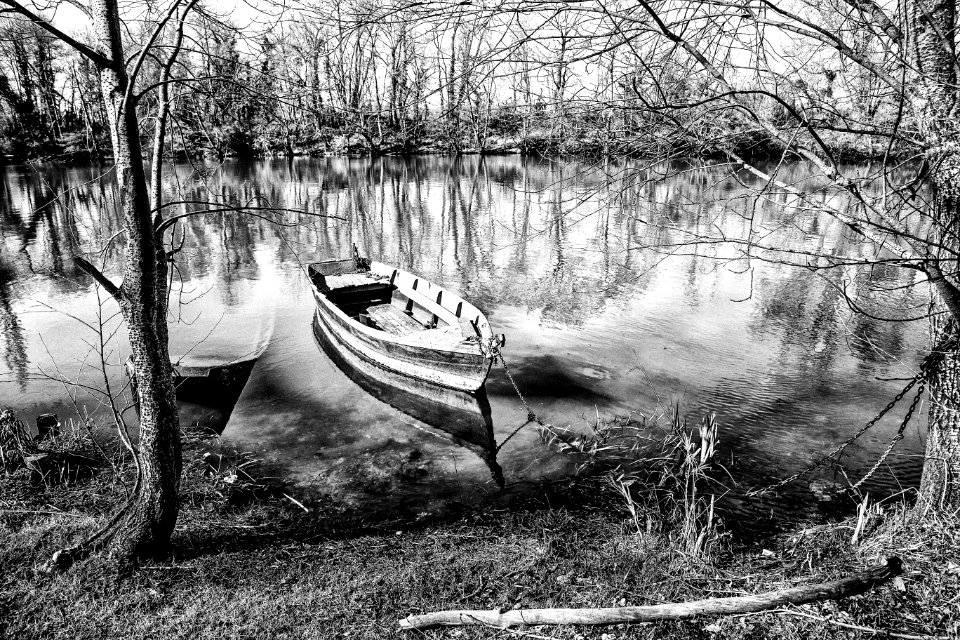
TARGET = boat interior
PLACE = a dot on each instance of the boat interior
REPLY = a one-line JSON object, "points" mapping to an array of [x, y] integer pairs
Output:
{"points": [[379, 301]]}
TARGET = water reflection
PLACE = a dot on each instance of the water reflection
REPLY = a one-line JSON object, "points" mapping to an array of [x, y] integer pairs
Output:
{"points": [[14, 347], [466, 417], [609, 282]]}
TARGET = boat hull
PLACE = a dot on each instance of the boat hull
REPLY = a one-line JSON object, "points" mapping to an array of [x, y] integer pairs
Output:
{"points": [[464, 417], [463, 367], [207, 391]]}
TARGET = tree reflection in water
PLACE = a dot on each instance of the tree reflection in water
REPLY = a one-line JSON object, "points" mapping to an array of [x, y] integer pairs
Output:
{"points": [[610, 282]]}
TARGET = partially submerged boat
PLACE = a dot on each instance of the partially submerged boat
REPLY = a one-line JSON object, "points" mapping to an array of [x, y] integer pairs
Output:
{"points": [[207, 388], [200, 380], [206, 379], [402, 323], [465, 418]]}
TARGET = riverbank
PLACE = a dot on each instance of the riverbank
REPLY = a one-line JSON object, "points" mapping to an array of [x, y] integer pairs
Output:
{"points": [[539, 144], [250, 562]]}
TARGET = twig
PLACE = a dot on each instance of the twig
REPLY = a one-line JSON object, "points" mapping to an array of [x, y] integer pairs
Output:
{"points": [[855, 627], [296, 502]]}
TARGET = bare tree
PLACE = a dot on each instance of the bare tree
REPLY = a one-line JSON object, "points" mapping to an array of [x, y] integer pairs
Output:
{"points": [[142, 528], [915, 76]]}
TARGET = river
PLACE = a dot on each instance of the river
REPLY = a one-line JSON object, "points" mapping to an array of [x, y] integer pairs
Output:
{"points": [[608, 281]]}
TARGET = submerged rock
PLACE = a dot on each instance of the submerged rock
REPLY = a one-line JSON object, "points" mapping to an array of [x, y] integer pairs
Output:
{"points": [[826, 490]]}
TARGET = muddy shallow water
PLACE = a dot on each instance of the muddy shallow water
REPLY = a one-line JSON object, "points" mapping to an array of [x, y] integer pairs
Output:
{"points": [[608, 309]]}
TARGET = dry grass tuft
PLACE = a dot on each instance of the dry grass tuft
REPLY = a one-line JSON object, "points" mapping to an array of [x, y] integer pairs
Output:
{"points": [[664, 475]]}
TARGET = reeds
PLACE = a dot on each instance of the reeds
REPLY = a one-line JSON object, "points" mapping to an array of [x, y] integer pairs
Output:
{"points": [[663, 475], [691, 474]]}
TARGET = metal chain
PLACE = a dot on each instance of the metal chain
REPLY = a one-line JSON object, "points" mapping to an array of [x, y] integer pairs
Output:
{"points": [[497, 354], [921, 377], [935, 355], [846, 443], [531, 416], [897, 438]]}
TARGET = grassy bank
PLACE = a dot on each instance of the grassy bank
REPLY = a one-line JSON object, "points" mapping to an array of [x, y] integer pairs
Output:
{"points": [[250, 563]]}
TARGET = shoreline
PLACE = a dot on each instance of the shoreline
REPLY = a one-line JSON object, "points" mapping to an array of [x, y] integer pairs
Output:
{"points": [[249, 562], [532, 148]]}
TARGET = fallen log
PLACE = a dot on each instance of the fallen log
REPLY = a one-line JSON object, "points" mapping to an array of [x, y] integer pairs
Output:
{"points": [[835, 590]]}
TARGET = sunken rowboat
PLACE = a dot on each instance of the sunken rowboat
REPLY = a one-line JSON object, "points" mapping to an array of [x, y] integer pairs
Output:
{"points": [[402, 323], [206, 380]]}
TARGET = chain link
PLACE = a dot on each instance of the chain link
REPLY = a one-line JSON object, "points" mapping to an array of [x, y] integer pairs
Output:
{"points": [[926, 364], [897, 438]]}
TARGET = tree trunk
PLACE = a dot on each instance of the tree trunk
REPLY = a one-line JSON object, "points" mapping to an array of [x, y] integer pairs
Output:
{"points": [[453, 107], [941, 468], [145, 527], [933, 97]]}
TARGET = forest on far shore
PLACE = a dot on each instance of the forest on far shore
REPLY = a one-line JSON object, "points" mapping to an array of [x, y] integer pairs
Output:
{"points": [[344, 79]]}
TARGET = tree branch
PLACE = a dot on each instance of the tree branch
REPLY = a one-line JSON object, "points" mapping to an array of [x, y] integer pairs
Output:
{"points": [[873, 10], [101, 279], [835, 590], [95, 56], [828, 167]]}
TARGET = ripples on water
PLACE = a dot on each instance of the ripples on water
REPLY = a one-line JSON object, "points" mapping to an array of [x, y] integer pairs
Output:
{"points": [[591, 273]]}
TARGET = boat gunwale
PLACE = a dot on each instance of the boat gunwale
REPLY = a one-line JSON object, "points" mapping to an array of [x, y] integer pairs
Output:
{"points": [[379, 335], [471, 382]]}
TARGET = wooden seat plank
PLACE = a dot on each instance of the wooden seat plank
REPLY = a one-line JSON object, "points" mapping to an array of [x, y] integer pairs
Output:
{"points": [[393, 320], [446, 338], [347, 280]]}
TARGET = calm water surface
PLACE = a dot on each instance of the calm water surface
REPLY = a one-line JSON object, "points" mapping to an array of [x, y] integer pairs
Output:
{"points": [[608, 309]]}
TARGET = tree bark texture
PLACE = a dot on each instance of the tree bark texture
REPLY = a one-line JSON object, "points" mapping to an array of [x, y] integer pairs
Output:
{"points": [[145, 528], [941, 470], [934, 100]]}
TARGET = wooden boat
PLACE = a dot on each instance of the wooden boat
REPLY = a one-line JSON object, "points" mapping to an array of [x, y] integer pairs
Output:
{"points": [[207, 389], [465, 418], [212, 382], [206, 381], [402, 323]]}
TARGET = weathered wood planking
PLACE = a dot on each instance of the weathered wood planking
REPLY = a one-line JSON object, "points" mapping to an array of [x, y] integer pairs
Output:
{"points": [[347, 280], [393, 320], [449, 355]]}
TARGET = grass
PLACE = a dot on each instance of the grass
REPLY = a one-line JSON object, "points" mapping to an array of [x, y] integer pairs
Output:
{"points": [[249, 563]]}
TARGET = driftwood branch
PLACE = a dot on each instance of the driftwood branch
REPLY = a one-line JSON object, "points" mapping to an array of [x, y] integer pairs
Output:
{"points": [[101, 279], [835, 590]]}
